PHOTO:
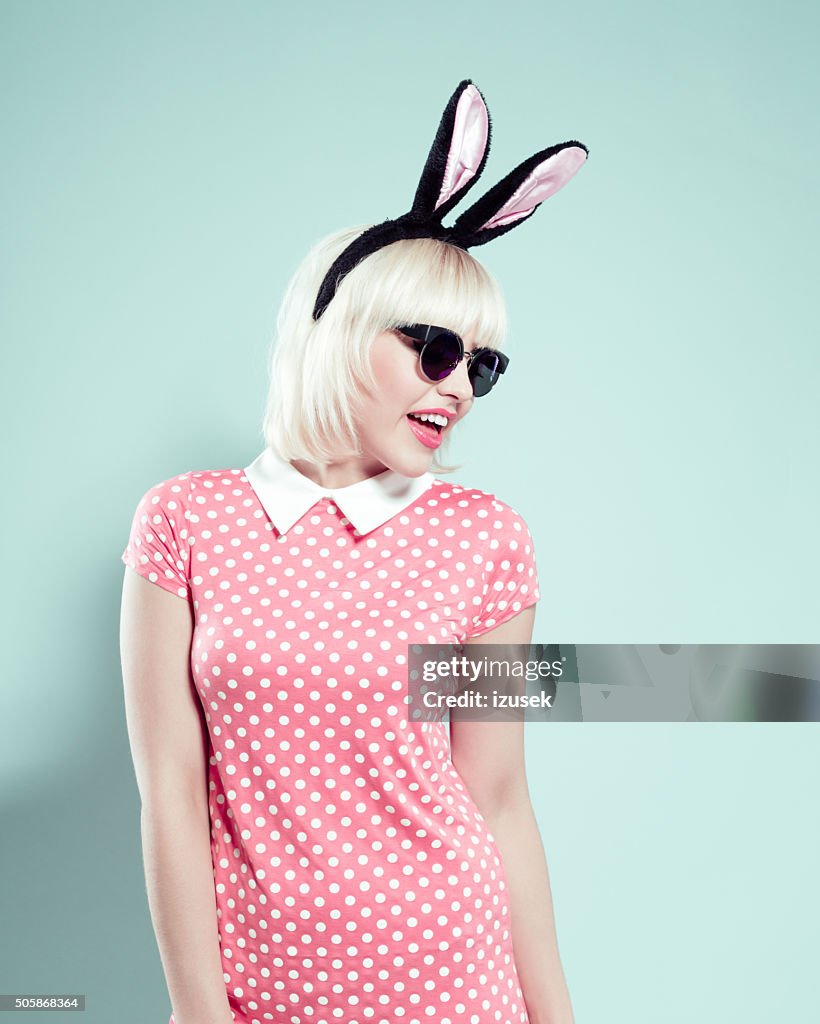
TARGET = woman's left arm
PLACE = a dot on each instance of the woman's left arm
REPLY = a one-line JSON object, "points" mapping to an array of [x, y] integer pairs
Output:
{"points": [[489, 756]]}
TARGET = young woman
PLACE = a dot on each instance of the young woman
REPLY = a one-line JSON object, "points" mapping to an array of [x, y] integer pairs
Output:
{"points": [[312, 856]]}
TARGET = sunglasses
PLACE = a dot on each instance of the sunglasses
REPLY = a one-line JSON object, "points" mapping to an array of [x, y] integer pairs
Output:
{"points": [[441, 350]]}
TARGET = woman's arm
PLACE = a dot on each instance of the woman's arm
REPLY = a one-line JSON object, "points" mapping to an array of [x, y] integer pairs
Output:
{"points": [[489, 756], [169, 750]]}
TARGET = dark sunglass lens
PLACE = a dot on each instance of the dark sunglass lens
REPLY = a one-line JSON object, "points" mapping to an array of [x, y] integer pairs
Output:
{"points": [[484, 373], [441, 356]]}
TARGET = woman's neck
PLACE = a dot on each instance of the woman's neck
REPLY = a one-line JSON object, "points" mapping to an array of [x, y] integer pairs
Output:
{"points": [[338, 474]]}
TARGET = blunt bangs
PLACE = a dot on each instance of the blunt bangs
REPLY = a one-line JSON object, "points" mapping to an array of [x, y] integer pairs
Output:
{"points": [[426, 281]]}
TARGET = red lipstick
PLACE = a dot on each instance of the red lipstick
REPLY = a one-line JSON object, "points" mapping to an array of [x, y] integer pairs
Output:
{"points": [[425, 432]]}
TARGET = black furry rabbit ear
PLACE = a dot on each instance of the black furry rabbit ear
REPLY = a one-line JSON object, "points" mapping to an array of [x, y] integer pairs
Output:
{"points": [[454, 164], [457, 156], [519, 194]]}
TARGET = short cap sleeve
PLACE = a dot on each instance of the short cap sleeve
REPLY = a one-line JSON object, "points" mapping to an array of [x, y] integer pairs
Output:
{"points": [[509, 574], [157, 547]]}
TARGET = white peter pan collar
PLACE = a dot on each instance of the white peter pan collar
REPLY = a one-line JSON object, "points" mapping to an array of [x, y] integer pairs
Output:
{"points": [[286, 494]]}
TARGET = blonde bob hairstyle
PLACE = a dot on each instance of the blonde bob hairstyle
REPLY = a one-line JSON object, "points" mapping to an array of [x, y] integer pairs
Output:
{"points": [[319, 369]]}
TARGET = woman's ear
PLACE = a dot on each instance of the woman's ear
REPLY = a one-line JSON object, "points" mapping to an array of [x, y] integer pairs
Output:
{"points": [[457, 156], [519, 195]]}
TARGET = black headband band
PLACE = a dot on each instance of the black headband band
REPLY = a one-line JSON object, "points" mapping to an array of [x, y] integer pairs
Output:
{"points": [[454, 164]]}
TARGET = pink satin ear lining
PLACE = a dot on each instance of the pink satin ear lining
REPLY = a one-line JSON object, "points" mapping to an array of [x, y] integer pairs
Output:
{"points": [[543, 182], [468, 145]]}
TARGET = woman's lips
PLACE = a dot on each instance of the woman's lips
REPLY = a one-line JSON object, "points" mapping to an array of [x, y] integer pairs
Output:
{"points": [[425, 432]]}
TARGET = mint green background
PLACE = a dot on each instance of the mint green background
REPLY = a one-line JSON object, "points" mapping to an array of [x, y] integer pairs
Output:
{"points": [[165, 167]]}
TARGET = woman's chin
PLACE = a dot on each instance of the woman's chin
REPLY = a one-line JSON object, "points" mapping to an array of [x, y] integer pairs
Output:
{"points": [[409, 464]]}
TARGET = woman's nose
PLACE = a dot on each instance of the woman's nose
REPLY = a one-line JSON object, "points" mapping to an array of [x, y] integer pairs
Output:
{"points": [[457, 384]]}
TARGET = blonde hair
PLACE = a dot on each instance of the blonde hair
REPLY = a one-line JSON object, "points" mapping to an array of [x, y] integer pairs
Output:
{"points": [[318, 369]]}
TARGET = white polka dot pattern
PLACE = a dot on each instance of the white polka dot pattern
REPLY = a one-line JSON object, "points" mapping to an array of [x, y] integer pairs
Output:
{"points": [[356, 880]]}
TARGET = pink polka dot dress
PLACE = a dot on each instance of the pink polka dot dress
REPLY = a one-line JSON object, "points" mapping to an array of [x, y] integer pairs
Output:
{"points": [[356, 880]]}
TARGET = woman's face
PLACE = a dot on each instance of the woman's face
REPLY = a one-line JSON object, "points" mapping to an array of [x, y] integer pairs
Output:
{"points": [[390, 437]]}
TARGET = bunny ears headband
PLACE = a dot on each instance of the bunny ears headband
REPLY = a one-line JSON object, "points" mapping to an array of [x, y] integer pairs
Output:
{"points": [[454, 164]]}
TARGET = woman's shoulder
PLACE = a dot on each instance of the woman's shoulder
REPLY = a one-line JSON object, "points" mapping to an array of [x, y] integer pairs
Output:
{"points": [[203, 477], [484, 505], [168, 492], [178, 489], [215, 478]]}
